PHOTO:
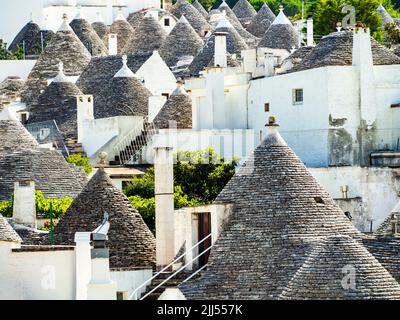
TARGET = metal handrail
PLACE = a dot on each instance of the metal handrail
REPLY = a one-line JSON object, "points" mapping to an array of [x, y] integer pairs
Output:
{"points": [[168, 266], [193, 274], [173, 275]]}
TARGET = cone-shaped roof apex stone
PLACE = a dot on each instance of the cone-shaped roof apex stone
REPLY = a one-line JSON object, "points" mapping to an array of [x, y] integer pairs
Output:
{"points": [[321, 277], [120, 16], [223, 23], [279, 212], [281, 18], [64, 25], [125, 72], [61, 77], [131, 243]]}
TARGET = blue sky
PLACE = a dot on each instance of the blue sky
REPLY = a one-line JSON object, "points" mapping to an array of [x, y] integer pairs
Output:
{"points": [[14, 14]]}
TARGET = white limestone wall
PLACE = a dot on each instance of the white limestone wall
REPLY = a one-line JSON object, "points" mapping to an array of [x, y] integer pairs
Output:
{"points": [[387, 79], [304, 127], [378, 188], [46, 275], [99, 132], [128, 281], [157, 77], [19, 68]]}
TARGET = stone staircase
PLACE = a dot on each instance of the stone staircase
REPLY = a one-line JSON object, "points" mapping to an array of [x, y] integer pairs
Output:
{"points": [[172, 283], [74, 147], [132, 150]]}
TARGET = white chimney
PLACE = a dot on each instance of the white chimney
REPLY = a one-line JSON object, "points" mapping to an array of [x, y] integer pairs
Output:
{"points": [[249, 60], [155, 105], [82, 264], [363, 61], [24, 209], [269, 64], [220, 57], [84, 112], [112, 44], [101, 287], [310, 32], [164, 197]]}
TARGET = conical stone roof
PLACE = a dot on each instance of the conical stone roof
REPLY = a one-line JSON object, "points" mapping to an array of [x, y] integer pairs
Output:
{"points": [[178, 108], [195, 18], [100, 71], [125, 95], [28, 37], [336, 49], [278, 213], [234, 44], [148, 36], [280, 35], [324, 275], [386, 17], [199, 7], [135, 18], [7, 233], [262, 21], [88, 36], [131, 243], [102, 30], [58, 102], [22, 159], [244, 11], [250, 39], [64, 47], [123, 30], [11, 88], [182, 41]]}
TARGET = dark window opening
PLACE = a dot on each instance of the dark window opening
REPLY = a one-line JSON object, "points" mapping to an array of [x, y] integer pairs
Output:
{"points": [[167, 22], [298, 96], [319, 200], [266, 107], [165, 95]]}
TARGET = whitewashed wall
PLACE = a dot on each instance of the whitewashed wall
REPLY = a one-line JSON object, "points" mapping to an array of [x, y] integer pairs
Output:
{"points": [[128, 281], [157, 77], [378, 188], [48, 275], [304, 127]]}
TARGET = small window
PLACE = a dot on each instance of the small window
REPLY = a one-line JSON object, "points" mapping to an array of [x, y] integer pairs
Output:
{"points": [[165, 95], [319, 200], [298, 96], [166, 22], [24, 117], [120, 295], [266, 107]]}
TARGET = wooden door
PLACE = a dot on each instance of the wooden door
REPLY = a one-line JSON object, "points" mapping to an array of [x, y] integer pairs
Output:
{"points": [[203, 231]]}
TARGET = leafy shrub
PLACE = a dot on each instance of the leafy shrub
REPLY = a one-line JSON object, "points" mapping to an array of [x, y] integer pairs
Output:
{"points": [[80, 161], [59, 206]]}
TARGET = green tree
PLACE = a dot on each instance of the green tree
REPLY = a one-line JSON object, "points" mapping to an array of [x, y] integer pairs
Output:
{"points": [[198, 178], [80, 161], [60, 206], [4, 53], [327, 13], [392, 35]]}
